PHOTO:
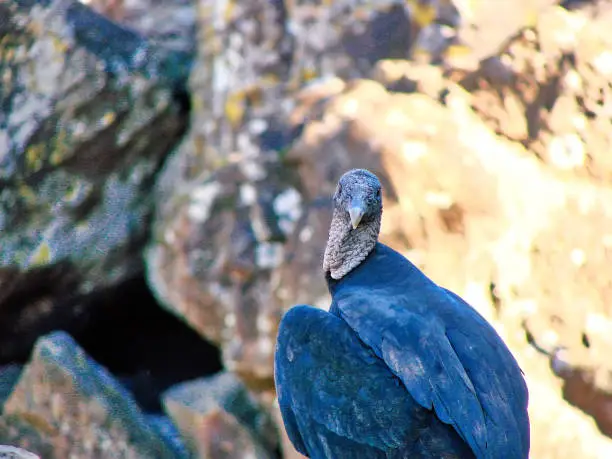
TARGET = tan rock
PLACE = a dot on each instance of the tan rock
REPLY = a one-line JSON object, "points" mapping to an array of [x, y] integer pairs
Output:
{"points": [[493, 186], [231, 205], [561, 79], [475, 211], [66, 405], [219, 419]]}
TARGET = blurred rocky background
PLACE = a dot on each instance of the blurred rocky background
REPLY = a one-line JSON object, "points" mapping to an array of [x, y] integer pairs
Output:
{"points": [[166, 168]]}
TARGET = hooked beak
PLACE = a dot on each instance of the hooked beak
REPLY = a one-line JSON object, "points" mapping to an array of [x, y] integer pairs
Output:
{"points": [[356, 212]]}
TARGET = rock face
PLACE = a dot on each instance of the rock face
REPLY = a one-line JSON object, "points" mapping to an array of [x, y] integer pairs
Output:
{"points": [[87, 112], [76, 409], [469, 196], [548, 91], [170, 24], [233, 230], [491, 143], [10, 452], [220, 419], [226, 254], [480, 29]]}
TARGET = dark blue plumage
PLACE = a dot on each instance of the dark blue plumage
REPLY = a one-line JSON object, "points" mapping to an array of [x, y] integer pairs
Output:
{"points": [[398, 368]]}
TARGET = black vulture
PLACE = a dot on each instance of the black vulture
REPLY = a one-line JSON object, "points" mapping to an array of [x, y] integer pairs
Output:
{"points": [[399, 367]]}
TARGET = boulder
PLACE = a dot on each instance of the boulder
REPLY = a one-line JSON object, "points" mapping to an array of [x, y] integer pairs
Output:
{"points": [[66, 405], [244, 203], [495, 172], [480, 215], [88, 111], [552, 96], [228, 253], [170, 24], [10, 452], [547, 89], [218, 418]]}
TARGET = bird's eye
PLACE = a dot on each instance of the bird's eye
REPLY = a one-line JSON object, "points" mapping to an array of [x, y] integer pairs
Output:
{"points": [[339, 189], [378, 193]]}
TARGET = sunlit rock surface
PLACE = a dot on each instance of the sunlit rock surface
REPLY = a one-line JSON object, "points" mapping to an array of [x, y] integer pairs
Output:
{"points": [[548, 89], [475, 207]]}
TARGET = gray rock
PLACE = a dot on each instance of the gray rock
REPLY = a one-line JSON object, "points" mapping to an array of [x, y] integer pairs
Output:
{"points": [[10, 452], [77, 409], [9, 375], [214, 255], [167, 23], [88, 111]]}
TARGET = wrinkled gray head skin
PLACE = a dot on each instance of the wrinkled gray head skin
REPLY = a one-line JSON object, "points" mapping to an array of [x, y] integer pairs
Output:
{"points": [[355, 222]]}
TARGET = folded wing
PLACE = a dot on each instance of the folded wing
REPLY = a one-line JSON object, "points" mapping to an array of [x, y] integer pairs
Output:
{"points": [[451, 361], [418, 351], [497, 378], [331, 384]]}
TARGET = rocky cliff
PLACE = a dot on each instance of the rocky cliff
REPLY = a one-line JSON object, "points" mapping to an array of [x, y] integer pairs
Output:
{"points": [[196, 145]]}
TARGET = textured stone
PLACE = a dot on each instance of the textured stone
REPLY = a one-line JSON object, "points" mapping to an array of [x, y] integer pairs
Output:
{"points": [[226, 244], [9, 375], [484, 188], [66, 405], [219, 418], [221, 436], [167, 23], [559, 78], [10, 452], [484, 34], [87, 112], [481, 216], [214, 260]]}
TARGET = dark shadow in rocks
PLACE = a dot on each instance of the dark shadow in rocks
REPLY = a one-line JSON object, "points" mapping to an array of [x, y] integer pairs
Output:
{"points": [[145, 347], [123, 328]]}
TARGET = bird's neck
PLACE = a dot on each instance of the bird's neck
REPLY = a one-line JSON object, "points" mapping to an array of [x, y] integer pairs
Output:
{"points": [[347, 247]]}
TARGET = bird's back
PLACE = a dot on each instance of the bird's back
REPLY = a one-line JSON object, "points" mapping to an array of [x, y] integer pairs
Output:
{"points": [[338, 400], [387, 295]]}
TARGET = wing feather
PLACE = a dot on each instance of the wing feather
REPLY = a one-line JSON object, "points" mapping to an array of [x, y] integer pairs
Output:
{"points": [[328, 379], [450, 360], [498, 380], [418, 351]]}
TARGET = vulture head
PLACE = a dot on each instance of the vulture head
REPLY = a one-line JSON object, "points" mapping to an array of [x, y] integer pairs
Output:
{"points": [[355, 222]]}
